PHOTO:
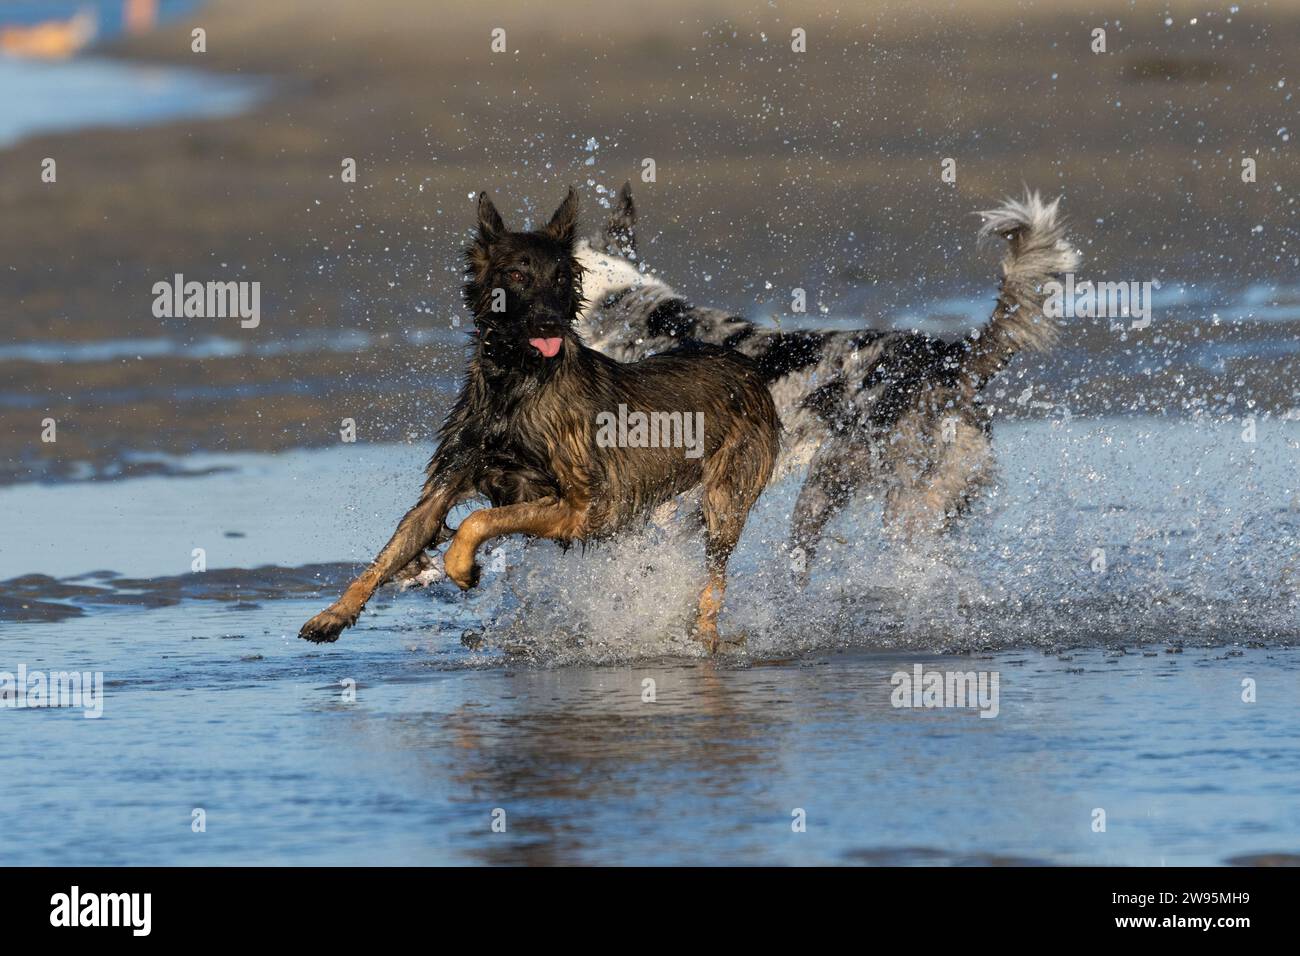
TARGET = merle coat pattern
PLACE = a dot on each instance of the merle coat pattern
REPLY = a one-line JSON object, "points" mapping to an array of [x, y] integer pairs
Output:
{"points": [[887, 412]]}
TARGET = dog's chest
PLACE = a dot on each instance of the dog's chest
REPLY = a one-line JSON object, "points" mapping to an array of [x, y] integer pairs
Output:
{"points": [[545, 432]]}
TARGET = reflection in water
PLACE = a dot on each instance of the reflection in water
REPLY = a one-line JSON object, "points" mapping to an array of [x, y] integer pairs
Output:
{"points": [[600, 752], [712, 770]]}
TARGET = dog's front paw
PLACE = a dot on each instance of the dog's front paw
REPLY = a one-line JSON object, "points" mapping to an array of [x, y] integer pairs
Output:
{"points": [[326, 626], [460, 566], [706, 632]]}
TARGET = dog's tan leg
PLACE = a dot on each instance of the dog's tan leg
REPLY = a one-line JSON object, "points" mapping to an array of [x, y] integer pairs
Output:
{"points": [[710, 605], [419, 528], [733, 479], [545, 518]]}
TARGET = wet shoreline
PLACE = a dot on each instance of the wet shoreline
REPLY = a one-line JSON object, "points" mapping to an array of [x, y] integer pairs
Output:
{"points": [[361, 287], [189, 396]]}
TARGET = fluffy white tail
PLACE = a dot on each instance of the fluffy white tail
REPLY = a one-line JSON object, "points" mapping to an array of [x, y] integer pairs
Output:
{"points": [[1038, 253]]}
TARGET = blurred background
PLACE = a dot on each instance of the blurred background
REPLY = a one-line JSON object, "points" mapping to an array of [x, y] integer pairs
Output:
{"points": [[774, 170], [1135, 508]]}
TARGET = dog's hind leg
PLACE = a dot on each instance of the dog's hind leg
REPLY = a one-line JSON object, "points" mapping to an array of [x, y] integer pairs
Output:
{"points": [[836, 472], [544, 518], [718, 549], [734, 477], [924, 503]]}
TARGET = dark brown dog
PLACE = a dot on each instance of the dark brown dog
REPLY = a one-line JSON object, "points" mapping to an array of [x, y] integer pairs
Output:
{"points": [[525, 432]]}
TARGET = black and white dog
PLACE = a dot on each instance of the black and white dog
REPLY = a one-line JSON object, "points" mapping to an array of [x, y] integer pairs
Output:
{"points": [[892, 413]]}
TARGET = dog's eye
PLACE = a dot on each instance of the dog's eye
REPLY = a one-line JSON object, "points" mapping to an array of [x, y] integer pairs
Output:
{"points": [[516, 276], [561, 281]]}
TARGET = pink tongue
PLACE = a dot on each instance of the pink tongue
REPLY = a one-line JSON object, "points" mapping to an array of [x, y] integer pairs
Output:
{"points": [[548, 347]]}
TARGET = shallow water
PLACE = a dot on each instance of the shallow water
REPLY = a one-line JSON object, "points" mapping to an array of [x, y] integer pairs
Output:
{"points": [[254, 731], [1120, 689], [947, 311], [46, 97], [215, 346]]}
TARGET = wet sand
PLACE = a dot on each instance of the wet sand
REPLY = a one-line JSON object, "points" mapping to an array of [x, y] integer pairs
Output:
{"points": [[818, 171]]}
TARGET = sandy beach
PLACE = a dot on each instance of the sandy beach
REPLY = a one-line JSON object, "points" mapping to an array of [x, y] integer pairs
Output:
{"points": [[774, 170]]}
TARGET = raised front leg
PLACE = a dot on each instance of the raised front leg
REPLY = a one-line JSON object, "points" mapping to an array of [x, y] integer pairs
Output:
{"points": [[420, 528], [544, 518]]}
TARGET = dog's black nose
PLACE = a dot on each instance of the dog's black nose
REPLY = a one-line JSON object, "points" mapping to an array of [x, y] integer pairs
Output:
{"points": [[549, 323]]}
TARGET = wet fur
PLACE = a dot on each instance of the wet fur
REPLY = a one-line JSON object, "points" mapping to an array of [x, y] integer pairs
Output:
{"points": [[894, 413], [522, 432]]}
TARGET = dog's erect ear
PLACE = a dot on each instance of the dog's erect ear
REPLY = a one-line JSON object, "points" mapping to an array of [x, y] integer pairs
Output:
{"points": [[490, 225], [565, 221], [620, 231], [624, 208]]}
